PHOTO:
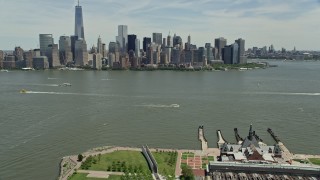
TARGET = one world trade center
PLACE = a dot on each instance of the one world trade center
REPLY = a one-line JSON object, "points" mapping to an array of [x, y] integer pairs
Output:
{"points": [[79, 29]]}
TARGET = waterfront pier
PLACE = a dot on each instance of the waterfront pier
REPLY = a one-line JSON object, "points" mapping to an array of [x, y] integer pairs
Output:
{"points": [[238, 137], [202, 139], [286, 154], [221, 140]]}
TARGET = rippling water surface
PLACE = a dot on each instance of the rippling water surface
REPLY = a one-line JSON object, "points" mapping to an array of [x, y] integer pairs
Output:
{"points": [[161, 109]]}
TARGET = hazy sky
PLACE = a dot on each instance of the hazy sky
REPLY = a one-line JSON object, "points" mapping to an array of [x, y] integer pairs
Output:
{"points": [[283, 23]]}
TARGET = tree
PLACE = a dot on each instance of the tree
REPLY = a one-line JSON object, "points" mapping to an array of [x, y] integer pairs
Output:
{"points": [[187, 173], [80, 157]]}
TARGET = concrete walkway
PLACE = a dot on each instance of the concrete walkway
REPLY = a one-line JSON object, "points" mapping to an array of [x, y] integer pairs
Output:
{"points": [[99, 174], [178, 164]]}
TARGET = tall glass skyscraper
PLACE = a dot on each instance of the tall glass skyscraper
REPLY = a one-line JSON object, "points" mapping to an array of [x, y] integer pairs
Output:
{"points": [[79, 28]]}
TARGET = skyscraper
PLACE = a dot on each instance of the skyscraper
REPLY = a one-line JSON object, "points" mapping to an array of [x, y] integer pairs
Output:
{"points": [[146, 42], [132, 42], [81, 53], [241, 57], [65, 51], [157, 38], [99, 46], [79, 28], [219, 43], [122, 37], [45, 41], [137, 44], [53, 56]]}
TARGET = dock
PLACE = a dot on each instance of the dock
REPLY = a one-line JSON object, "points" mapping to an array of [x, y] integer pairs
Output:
{"points": [[238, 137], [221, 140], [286, 154], [273, 135], [202, 139]]}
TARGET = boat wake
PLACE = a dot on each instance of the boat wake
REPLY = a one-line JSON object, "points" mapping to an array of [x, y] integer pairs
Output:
{"points": [[50, 85], [160, 106], [106, 79], [287, 93], [52, 78]]}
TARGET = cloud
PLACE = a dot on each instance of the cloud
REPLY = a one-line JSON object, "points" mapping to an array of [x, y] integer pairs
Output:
{"points": [[260, 22]]}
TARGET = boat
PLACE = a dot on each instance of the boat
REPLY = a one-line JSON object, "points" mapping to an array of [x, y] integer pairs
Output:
{"points": [[23, 91], [28, 69], [65, 84], [4, 70]]}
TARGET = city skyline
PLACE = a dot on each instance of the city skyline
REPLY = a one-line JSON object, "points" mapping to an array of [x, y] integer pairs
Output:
{"points": [[283, 24]]}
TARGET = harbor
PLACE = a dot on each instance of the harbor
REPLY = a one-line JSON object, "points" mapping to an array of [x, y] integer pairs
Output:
{"points": [[256, 160]]}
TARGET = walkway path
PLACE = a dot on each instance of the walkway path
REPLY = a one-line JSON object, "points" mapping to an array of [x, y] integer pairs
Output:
{"points": [[178, 164], [99, 174]]}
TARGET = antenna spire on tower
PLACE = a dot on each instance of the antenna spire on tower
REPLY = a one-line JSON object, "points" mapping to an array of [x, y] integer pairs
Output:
{"points": [[78, 2]]}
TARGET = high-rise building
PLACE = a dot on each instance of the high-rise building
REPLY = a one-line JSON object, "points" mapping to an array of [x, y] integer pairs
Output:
{"points": [[137, 47], [79, 27], [157, 38], [132, 42], [241, 57], [53, 56], [169, 41], [1, 58], [230, 54], [146, 42], [28, 57], [81, 53], [177, 40], [219, 43], [122, 37], [40, 62], [99, 46], [97, 61], [45, 41], [65, 50], [18, 53]]}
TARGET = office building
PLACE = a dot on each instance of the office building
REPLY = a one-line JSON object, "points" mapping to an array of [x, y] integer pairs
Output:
{"points": [[1, 58], [137, 48], [146, 42], [177, 41], [241, 56], [40, 62], [81, 53], [219, 43], [122, 37], [53, 56], [18, 53], [45, 41], [157, 38], [97, 61], [9, 62], [79, 27], [100, 46], [28, 57], [230, 54], [169, 41], [132, 42], [65, 50]]}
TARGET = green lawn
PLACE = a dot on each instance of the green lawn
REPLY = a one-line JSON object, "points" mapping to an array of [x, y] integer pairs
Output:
{"points": [[114, 177], [118, 161], [81, 176], [210, 158], [315, 161], [166, 162]]}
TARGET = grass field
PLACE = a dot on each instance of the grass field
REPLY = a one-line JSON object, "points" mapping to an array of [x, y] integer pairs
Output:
{"points": [[315, 161], [166, 162], [81, 176], [118, 161]]}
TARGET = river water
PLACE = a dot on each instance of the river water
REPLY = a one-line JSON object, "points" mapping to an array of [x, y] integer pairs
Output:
{"points": [[159, 108]]}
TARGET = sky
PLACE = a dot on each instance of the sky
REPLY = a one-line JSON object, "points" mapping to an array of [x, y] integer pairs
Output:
{"points": [[283, 23]]}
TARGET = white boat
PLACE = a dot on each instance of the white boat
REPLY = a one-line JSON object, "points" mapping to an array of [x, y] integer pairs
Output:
{"points": [[28, 69], [65, 84], [4, 70]]}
